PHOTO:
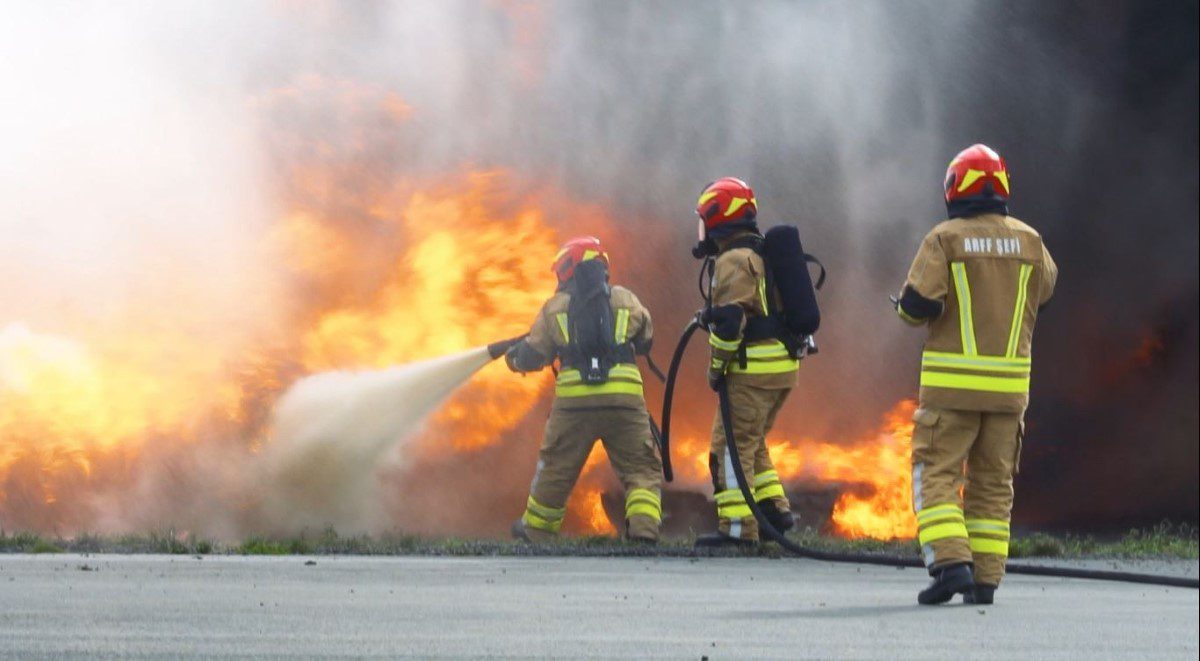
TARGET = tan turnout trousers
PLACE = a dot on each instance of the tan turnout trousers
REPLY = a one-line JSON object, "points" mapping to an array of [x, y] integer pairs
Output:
{"points": [[989, 275], [975, 529], [570, 435], [754, 410]]}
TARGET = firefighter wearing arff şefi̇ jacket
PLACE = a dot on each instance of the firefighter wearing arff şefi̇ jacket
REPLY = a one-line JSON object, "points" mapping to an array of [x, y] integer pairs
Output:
{"points": [[758, 372], [596, 331], [978, 281]]}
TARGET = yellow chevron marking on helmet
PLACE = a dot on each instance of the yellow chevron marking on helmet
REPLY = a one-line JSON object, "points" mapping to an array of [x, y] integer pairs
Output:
{"points": [[971, 177], [735, 204], [1002, 177], [706, 196]]}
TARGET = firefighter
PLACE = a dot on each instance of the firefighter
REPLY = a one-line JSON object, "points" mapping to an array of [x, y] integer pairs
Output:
{"points": [[595, 330], [978, 281], [758, 372]]}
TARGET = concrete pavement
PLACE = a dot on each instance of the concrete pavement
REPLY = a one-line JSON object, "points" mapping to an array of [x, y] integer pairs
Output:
{"points": [[168, 606]]}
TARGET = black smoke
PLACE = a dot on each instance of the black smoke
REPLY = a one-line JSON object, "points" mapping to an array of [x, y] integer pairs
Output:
{"points": [[843, 117]]}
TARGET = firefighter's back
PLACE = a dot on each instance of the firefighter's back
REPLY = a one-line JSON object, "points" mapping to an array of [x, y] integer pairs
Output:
{"points": [[978, 352]]}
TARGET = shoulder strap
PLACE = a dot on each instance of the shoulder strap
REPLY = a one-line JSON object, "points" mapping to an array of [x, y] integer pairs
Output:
{"points": [[813, 260]]}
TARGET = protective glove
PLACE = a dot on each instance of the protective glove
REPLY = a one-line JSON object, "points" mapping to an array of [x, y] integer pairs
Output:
{"points": [[510, 357], [716, 375]]}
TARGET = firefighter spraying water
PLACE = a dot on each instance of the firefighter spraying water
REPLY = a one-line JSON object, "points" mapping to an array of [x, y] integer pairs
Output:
{"points": [[595, 331]]}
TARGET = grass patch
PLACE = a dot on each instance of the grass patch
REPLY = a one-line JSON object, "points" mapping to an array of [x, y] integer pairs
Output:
{"points": [[1162, 541]]}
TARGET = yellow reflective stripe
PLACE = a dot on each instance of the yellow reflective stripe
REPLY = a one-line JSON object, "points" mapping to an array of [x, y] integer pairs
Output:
{"points": [[734, 512], [767, 485], [544, 511], [984, 545], [1014, 333], [561, 318], [541, 517], [766, 367], [644, 502], [735, 204], [967, 366], [993, 526], [908, 319], [936, 511], [773, 350], [622, 325], [535, 521], [766, 477], [732, 505], [620, 371], [610, 388], [729, 496], [762, 294], [966, 324], [723, 345], [942, 531], [706, 197], [1001, 384], [977, 362], [772, 358], [640, 493], [643, 509], [769, 491], [981, 359]]}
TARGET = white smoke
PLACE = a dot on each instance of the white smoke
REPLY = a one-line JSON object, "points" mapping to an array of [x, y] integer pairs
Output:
{"points": [[333, 431]]}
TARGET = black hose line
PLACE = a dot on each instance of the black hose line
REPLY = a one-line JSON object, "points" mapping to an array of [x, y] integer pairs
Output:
{"points": [[764, 526], [669, 397], [658, 373], [767, 530]]}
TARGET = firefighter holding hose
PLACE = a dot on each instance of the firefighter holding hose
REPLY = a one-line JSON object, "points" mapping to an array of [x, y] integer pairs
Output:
{"points": [[596, 331], [756, 367], [978, 281]]}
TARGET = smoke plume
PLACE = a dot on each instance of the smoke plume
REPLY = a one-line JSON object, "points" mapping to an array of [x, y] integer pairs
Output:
{"points": [[200, 205]]}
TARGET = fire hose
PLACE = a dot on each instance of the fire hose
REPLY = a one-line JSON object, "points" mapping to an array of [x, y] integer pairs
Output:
{"points": [[767, 530]]}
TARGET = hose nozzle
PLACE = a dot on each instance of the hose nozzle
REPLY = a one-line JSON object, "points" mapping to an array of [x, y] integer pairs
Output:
{"points": [[497, 349]]}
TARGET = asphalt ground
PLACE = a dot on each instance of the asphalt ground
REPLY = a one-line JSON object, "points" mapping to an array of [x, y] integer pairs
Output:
{"points": [[425, 607]]}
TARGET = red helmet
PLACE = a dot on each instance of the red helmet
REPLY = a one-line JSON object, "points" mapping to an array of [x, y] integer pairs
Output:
{"points": [[575, 252], [726, 200], [977, 173]]}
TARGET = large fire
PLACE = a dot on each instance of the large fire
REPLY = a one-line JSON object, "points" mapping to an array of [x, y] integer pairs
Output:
{"points": [[373, 270]]}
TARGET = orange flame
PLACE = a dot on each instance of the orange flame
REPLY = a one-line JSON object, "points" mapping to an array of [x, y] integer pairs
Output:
{"points": [[875, 472], [373, 270]]}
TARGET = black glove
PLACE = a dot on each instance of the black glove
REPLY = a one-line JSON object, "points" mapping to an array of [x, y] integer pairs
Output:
{"points": [[510, 357], [716, 378]]}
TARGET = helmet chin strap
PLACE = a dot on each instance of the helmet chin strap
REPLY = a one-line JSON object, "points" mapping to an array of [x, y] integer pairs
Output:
{"points": [[705, 246]]}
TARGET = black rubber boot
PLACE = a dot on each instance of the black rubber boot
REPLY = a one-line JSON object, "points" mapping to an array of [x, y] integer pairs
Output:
{"points": [[947, 582], [982, 594], [518, 531], [781, 521], [719, 540]]}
